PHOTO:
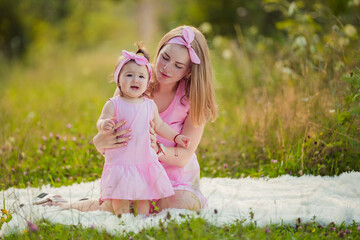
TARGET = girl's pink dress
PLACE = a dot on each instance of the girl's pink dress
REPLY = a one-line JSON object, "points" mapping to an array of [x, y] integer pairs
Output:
{"points": [[133, 172], [188, 177]]}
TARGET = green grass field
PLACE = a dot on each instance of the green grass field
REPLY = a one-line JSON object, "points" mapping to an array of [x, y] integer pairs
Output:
{"points": [[283, 109]]}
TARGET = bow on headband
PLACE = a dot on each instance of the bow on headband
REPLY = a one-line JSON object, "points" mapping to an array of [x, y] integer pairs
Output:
{"points": [[188, 35], [140, 60]]}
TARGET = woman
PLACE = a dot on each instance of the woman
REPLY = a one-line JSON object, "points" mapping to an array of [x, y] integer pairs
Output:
{"points": [[183, 90]]}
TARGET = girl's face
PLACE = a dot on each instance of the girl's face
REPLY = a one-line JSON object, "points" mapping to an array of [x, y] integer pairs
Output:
{"points": [[133, 80], [172, 64]]}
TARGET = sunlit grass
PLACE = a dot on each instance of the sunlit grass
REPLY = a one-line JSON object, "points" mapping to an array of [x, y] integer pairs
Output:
{"points": [[196, 228]]}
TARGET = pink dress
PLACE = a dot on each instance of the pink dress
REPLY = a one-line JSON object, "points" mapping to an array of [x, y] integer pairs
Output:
{"points": [[188, 177], [134, 172]]}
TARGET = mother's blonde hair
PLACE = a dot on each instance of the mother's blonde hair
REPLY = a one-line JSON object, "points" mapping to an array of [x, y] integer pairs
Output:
{"points": [[199, 88]]}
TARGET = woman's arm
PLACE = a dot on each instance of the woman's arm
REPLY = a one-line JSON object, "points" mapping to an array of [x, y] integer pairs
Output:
{"points": [[178, 156]]}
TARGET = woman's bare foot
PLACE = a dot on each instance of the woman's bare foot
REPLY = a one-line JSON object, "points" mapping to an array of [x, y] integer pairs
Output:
{"points": [[45, 199]]}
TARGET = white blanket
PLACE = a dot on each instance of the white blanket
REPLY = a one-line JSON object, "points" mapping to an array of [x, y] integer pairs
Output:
{"points": [[276, 200]]}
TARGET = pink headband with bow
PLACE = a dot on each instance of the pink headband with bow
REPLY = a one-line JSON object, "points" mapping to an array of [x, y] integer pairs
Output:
{"points": [[139, 60], [188, 35]]}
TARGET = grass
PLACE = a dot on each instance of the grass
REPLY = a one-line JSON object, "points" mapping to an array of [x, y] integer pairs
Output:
{"points": [[280, 112], [197, 228]]}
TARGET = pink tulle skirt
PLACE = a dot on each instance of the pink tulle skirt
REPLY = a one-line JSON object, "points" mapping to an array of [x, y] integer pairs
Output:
{"points": [[145, 181]]}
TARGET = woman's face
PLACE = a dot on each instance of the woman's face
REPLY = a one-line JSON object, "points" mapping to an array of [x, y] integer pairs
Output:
{"points": [[172, 64]]}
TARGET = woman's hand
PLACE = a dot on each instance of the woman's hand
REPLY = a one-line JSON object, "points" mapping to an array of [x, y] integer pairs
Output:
{"points": [[153, 136], [112, 139]]}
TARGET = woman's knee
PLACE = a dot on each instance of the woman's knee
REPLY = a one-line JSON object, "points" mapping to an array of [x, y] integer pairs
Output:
{"points": [[181, 200]]}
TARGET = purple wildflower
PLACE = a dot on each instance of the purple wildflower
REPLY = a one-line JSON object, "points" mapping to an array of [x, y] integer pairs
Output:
{"points": [[69, 125], [32, 227], [267, 230], [225, 165], [273, 160]]}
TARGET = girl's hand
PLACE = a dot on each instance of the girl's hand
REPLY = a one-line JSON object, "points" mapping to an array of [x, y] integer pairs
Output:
{"points": [[107, 124], [182, 140], [153, 136], [112, 139]]}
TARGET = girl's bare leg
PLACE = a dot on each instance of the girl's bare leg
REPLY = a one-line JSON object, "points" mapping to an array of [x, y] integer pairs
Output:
{"points": [[141, 207], [120, 206], [181, 200]]}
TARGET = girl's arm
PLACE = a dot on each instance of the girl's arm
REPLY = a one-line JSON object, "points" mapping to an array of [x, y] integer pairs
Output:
{"points": [[178, 156], [167, 132], [114, 139], [106, 119]]}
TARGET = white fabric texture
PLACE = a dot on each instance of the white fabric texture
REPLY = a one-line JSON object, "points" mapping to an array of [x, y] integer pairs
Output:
{"points": [[271, 200]]}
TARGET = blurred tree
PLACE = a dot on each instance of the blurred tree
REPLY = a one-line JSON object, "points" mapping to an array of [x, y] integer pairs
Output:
{"points": [[12, 30], [47, 10], [16, 18], [224, 15]]}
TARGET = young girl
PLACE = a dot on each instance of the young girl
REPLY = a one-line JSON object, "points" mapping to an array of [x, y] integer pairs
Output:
{"points": [[133, 173]]}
